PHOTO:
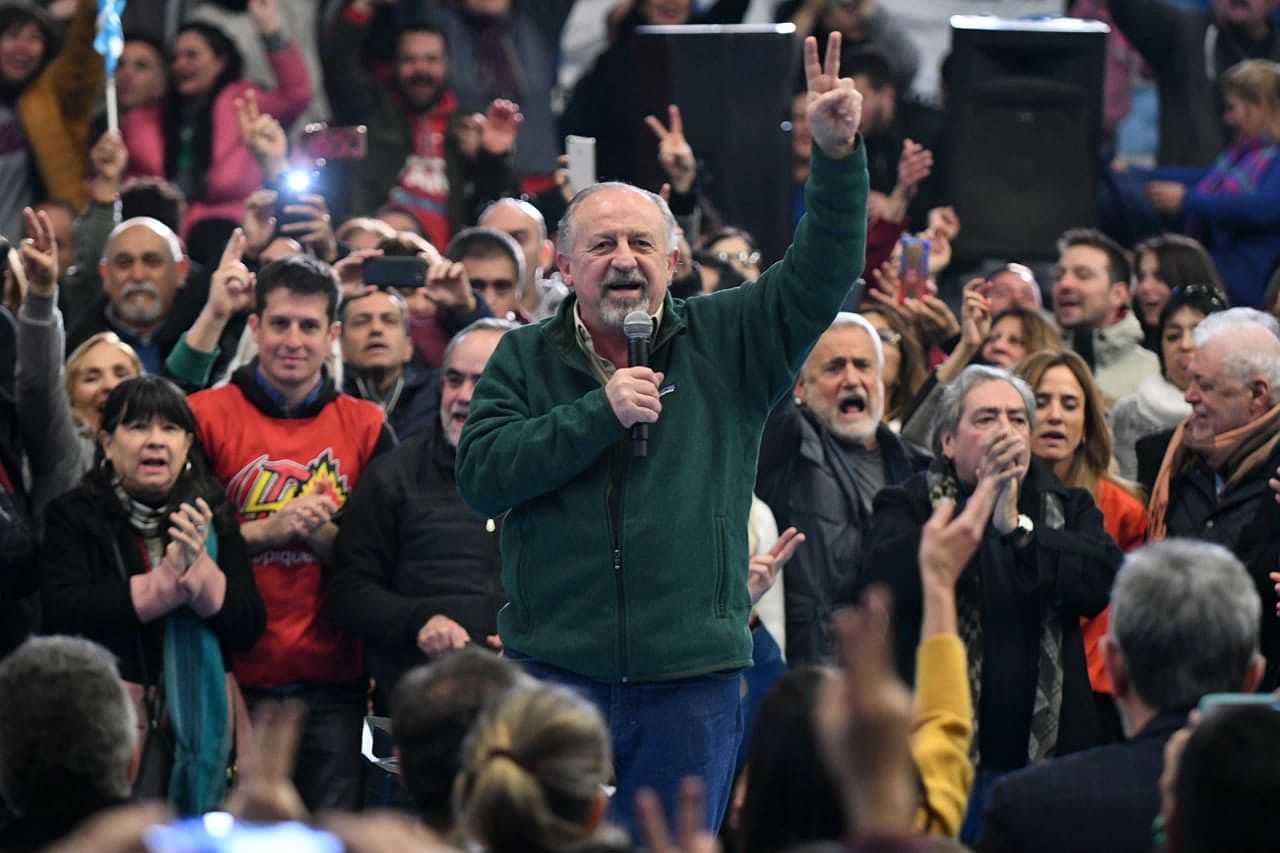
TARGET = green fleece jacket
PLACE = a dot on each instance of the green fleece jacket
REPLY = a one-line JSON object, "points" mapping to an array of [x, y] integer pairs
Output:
{"points": [[661, 593]]}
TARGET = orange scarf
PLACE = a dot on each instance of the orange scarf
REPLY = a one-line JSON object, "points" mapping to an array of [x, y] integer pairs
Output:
{"points": [[1238, 452]]}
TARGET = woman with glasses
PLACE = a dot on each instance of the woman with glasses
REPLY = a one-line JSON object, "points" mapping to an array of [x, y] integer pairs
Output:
{"points": [[905, 366], [1158, 405]]}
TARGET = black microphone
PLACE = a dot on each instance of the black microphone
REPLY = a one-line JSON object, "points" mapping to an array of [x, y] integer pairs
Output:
{"points": [[638, 326]]}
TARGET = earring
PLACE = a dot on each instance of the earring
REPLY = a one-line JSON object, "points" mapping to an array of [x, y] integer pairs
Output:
{"points": [[798, 401], [186, 469]]}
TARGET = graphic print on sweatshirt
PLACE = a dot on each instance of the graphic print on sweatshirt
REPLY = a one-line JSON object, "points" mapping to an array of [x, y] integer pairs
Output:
{"points": [[265, 485]]}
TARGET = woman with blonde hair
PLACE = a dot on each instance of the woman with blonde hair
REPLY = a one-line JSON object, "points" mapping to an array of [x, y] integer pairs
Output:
{"points": [[1072, 435], [1233, 207], [532, 777]]}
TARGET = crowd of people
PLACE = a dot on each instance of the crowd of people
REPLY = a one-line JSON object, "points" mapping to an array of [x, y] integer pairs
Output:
{"points": [[618, 521]]}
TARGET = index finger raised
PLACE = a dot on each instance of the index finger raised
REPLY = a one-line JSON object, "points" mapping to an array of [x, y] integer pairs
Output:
{"points": [[233, 252]]}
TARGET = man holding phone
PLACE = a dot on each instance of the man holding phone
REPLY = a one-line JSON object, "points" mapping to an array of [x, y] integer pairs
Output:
{"points": [[621, 570]]}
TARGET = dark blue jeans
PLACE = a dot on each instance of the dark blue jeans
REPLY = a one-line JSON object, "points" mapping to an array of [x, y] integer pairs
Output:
{"points": [[663, 731]]}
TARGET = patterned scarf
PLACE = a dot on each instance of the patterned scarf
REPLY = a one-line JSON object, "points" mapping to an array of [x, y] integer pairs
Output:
{"points": [[1233, 455], [1047, 708], [1240, 168]]}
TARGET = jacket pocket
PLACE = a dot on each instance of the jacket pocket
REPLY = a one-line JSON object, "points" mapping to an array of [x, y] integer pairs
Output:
{"points": [[722, 566]]}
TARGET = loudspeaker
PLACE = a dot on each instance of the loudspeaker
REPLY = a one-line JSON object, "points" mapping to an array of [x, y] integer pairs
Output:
{"points": [[733, 84], [1024, 133]]}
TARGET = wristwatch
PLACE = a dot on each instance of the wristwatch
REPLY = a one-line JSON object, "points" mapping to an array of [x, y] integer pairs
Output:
{"points": [[1021, 533]]}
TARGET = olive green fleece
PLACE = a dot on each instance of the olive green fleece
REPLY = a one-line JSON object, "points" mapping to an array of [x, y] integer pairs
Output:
{"points": [[542, 443]]}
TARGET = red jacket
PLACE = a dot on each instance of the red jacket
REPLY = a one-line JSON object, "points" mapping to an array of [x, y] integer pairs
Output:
{"points": [[266, 459], [233, 172]]}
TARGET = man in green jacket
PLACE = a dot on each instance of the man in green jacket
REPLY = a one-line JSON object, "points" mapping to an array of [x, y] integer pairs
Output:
{"points": [[627, 577]]}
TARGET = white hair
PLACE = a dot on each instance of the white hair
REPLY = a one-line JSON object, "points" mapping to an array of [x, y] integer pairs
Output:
{"points": [[1255, 356], [848, 319], [164, 232]]}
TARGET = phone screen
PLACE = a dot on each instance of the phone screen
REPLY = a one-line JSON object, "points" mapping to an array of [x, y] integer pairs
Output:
{"points": [[915, 269]]}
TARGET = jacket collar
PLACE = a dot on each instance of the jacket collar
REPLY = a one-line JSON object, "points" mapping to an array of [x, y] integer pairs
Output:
{"points": [[561, 329], [1110, 344], [246, 379]]}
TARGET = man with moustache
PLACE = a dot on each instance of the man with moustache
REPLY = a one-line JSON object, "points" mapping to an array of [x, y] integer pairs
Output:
{"points": [[625, 572], [424, 155], [822, 461], [146, 299], [415, 569]]}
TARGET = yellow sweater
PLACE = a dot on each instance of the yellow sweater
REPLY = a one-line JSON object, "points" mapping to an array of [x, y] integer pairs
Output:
{"points": [[942, 730], [56, 110]]}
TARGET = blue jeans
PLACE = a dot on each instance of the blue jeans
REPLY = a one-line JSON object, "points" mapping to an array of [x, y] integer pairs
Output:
{"points": [[663, 731]]}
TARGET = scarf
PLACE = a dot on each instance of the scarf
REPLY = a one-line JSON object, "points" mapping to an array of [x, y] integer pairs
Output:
{"points": [[194, 681], [1239, 169], [1236, 453], [1047, 705]]}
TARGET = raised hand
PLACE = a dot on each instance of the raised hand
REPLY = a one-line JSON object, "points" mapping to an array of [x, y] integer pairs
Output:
{"points": [[863, 723], [231, 285], [316, 231], [914, 165], [448, 286], [948, 543], [975, 313], [691, 836], [266, 15], [39, 253], [835, 107], [764, 568], [633, 395], [499, 127], [264, 792], [674, 152], [107, 158], [1005, 463], [262, 134], [188, 535]]}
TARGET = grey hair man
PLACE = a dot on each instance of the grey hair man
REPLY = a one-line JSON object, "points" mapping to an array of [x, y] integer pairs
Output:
{"points": [[143, 270], [67, 735], [525, 224], [824, 457], [1184, 623], [1045, 561], [1213, 482]]}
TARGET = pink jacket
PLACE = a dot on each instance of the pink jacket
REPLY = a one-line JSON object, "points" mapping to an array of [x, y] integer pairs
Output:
{"points": [[233, 173]]}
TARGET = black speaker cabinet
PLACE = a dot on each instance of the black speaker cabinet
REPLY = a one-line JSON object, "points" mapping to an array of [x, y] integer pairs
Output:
{"points": [[733, 85], [1024, 132]]}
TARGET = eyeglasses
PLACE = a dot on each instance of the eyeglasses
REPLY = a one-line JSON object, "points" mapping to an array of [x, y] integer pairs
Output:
{"points": [[889, 336], [497, 285], [747, 259]]}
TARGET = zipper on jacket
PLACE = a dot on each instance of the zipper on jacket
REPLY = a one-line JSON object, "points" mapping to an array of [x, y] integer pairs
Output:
{"points": [[613, 498]]}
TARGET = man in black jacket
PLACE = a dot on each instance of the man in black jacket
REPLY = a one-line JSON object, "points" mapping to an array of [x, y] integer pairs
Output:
{"points": [[416, 569], [822, 461], [1184, 623], [1045, 562]]}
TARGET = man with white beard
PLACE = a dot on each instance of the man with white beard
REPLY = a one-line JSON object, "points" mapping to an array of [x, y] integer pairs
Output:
{"points": [[143, 270], [415, 569], [823, 458]]}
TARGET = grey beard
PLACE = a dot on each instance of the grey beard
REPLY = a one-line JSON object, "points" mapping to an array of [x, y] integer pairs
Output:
{"points": [[614, 309], [140, 315]]}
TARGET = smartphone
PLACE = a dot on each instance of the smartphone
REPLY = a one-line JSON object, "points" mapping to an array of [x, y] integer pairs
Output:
{"points": [[321, 142], [582, 161], [1214, 700], [914, 275], [219, 832], [290, 187], [396, 273]]}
